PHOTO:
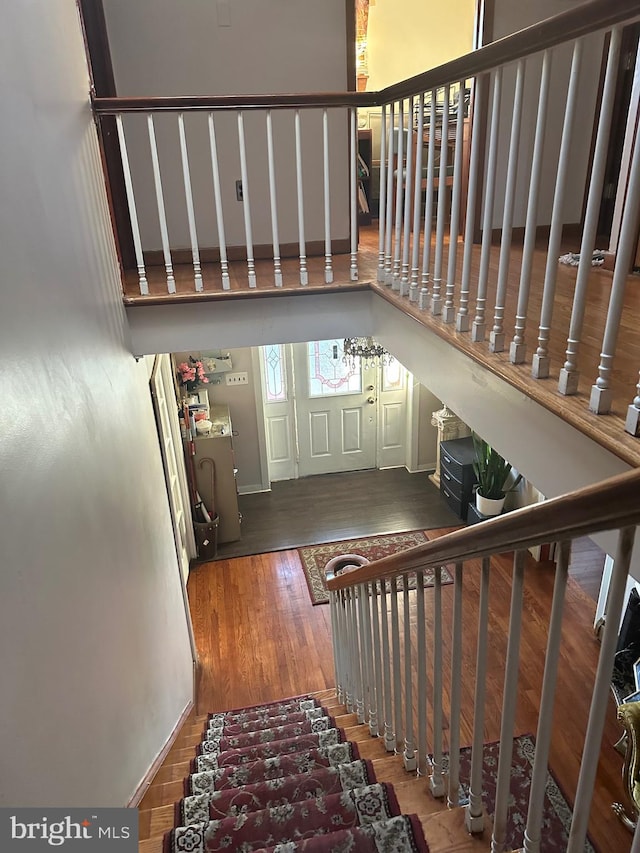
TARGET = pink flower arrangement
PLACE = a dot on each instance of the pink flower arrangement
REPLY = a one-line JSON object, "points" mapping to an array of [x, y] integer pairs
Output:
{"points": [[191, 374]]}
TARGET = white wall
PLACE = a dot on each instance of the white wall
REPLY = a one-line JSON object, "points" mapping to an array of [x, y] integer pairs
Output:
{"points": [[166, 48], [407, 37], [95, 665], [509, 18]]}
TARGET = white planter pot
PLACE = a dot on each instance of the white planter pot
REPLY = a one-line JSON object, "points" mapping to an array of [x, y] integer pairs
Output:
{"points": [[489, 506]]}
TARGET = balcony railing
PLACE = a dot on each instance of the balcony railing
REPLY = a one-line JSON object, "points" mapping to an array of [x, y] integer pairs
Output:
{"points": [[504, 144], [388, 641]]}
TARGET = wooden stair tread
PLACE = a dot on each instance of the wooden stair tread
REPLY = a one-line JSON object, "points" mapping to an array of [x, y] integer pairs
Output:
{"points": [[446, 833]]}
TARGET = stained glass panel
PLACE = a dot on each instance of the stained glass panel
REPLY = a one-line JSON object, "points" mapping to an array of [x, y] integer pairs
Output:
{"points": [[393, 376], [274, 373], [328, 374]]}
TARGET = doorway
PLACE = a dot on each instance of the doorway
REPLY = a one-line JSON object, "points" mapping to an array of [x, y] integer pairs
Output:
{"points": [[326, 414]]}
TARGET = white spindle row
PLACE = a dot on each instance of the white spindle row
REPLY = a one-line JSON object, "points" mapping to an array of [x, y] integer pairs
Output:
{"points": [[424, 160], [222, 174]]}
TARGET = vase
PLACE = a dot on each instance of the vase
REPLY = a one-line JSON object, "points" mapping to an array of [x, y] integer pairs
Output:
{"points": [[489, 506]]}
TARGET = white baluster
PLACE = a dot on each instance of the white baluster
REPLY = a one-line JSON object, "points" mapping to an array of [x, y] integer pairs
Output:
{"points": [[496, 337], [335, 638], [328, 260], [417, 203], [632, 422], [600, 695], [382, 204], [409, 754], [448, 310], [224, 263], [389, 734], [474, 814], [395, 279], [569, 375], [395, 669], [601, 395], [277, 266], [545, 719], [540, 368], [191, 216], [362, 657], [133, 214], [428, 207], [353, 160], [246, 206], [479, 323], [436, 298], [388, 269], [375, 722], [508, 706], [436, 782], [517, 350], [162, 217], [369, 690], [351, 632], [421, 640], [480, 86], [407, 183], [338, 642], [453, 798], [304, 275]]}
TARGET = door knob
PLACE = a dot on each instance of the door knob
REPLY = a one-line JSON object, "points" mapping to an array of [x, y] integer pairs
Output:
{"points": [[369, 387], [371, 400]]}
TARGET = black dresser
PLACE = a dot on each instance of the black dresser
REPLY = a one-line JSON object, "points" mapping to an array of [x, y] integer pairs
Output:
{"points": [[457, 477]]}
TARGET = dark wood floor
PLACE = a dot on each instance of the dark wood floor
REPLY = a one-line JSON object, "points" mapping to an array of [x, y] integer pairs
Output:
{"points": [[329, 507]]}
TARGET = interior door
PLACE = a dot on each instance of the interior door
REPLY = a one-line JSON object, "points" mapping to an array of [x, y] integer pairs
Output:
{"points": [[171, 449], [278, 394], [335, 409], [392, 416]]}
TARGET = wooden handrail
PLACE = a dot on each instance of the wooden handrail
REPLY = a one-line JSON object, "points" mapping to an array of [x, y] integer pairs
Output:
{"points": [[613, 503], [574, 23]]}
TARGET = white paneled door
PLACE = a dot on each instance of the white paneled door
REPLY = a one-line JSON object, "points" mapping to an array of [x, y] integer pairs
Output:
{"points": [[324, 415], [335, 409]]}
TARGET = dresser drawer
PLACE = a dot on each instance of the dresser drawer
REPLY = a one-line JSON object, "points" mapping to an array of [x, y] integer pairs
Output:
{"points": [[456, 460], [460, 478], [455, 503]]}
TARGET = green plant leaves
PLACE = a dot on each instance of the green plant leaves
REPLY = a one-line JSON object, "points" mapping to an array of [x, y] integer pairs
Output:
{"points": [[490, 468]]}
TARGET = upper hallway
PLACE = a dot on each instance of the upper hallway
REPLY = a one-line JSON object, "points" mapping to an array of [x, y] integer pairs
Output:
{"points": [[531, 139]]}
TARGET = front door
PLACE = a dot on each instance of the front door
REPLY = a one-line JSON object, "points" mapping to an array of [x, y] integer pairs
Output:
{"points": [[335, 409]]}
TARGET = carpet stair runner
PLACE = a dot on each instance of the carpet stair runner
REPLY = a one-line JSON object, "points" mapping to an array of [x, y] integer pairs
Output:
{"points": [[296, 775]]}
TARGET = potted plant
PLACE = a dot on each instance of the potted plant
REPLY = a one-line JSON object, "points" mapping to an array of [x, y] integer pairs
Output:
{"points": [[491, 471]]}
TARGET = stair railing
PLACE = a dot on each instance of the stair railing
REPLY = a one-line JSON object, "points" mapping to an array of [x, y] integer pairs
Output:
{"points": [[610, 505]]}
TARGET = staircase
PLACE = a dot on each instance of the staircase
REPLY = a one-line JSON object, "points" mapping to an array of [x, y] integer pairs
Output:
{"points": [[334, 761]]}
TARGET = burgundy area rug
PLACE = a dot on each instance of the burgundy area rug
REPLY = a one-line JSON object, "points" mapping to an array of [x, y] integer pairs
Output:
{"points": [[314, 558], [557, 813]]}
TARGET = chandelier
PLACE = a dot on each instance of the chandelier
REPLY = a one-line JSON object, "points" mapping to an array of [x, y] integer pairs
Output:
{"points": [[367, 349]]}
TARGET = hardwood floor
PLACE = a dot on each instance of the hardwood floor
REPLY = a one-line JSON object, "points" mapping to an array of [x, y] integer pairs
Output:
{"points": [[330, 507], [259, 639]]}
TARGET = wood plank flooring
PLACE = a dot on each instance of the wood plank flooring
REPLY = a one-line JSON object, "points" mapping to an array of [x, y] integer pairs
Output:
{"points": [[330, 507]]}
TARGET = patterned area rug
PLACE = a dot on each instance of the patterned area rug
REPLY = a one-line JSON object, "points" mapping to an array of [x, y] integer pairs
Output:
{"points": [[315, 557], [557, 813]]}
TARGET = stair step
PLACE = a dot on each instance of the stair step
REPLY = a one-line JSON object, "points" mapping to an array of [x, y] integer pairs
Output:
{"points": [[162, 794], [150, 845], [446, 833], [173, 772], [154, 823]]}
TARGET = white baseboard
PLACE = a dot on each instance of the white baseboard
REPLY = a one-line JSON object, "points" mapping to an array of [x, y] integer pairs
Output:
{"points": [[429, 468], [149, 776], [253, 489]]}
